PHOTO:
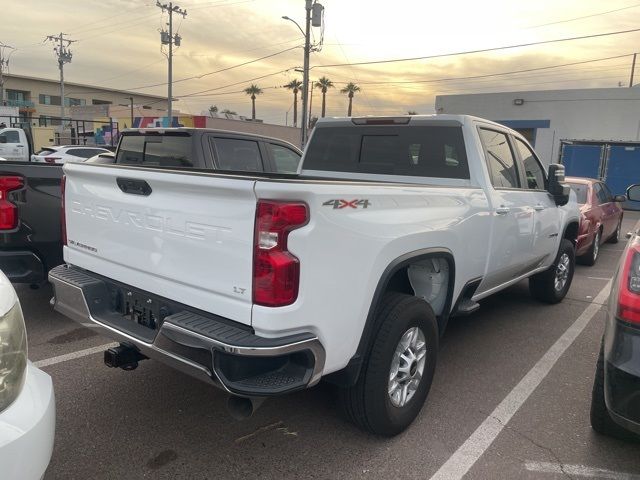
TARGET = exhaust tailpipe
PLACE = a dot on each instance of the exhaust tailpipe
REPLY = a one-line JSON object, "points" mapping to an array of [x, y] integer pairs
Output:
{"points": [[242, 408]]}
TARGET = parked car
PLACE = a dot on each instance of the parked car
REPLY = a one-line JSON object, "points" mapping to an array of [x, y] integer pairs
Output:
{"points": [[600, 217], [27, 404], [103, 158], [30, 235], [615, 402], [67, 153], [263, 284]]}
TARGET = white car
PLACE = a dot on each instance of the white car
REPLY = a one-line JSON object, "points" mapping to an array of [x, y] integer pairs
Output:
{"points": [[67, 153], [27, 403]]}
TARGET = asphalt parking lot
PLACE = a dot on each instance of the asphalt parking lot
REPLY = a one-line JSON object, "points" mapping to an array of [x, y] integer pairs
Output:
{"points": [[510, 399]]}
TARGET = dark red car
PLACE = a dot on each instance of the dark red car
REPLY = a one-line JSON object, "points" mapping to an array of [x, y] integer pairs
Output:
{"points": [[600, 217]]}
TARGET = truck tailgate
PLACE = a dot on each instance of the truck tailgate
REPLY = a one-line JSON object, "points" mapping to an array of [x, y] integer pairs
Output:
{"points": [[187, 238]]}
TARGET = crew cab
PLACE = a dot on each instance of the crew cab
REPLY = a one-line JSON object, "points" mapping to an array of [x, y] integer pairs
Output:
{"points": [[348, 270]]}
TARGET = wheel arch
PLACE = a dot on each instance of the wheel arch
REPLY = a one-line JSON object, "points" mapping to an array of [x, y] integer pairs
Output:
{"points": [[571, 231], [394, 278]]}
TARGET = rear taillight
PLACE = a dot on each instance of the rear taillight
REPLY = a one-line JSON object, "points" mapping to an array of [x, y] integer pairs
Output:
{"points": [[63, 217], [276, 272], [51, 159], [8, 210], [629, 288]]}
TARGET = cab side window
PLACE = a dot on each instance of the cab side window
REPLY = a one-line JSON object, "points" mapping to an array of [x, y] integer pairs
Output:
{"points": [[532, 169], [500, 159], [285, 159], [603, 194]]}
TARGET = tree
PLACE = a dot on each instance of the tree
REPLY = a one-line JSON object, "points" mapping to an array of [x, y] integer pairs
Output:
{"points": [[294, 85], [412, 112], [213, 109], [230, 112], [324, 84], [350, 90], [253, 90]]}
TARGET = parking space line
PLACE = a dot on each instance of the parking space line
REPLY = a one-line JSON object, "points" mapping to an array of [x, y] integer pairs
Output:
{"points": [[578, 471], [73, 355], [481, 439], [600, 278]]}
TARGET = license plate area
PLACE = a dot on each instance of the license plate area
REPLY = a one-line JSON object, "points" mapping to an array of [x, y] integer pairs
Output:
{"points": [[141, 309]]}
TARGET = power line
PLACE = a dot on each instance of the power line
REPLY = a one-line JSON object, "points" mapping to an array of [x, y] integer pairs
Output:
{"points": [[512, 72], [584, 16], [468, 52], [199, 94], [202, 75]]}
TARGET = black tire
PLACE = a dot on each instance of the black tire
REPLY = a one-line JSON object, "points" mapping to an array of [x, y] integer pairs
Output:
{"points": [[601, 421], [615, 238], [367, 403], [542, 285], [591, 256]]}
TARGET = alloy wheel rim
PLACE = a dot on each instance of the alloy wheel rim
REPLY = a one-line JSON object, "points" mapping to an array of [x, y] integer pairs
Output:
{"points": [[618, 230], [407, 367], [562, 272], [596, 245]]}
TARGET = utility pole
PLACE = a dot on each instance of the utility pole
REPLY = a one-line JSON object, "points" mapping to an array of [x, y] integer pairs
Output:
{"points": [[4, 64], [64, 56], [305, 72], [168, 38], [131, 100], [633, 69]]}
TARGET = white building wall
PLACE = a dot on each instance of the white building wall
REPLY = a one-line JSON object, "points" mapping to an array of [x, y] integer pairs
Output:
{"points": [[607, 114]]}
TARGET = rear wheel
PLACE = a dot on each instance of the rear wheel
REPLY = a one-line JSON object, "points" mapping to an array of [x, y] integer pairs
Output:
{"points": [[395, 380], [552, 285], [592, 255], [601, 421], [616, 236]]}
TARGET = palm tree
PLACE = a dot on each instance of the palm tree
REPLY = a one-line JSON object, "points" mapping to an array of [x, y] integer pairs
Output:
{"points": [[213, 109], [230, 112], [350, 89], [294, 85], [412, 112], [324, 84], [253, 90]]}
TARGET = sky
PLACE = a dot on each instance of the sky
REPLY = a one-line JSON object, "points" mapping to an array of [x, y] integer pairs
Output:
{"points": [[118, 46]]}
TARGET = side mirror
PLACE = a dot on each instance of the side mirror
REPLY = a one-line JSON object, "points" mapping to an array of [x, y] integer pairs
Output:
{"points": [[633, 192], [619, 198], [557, 187]]}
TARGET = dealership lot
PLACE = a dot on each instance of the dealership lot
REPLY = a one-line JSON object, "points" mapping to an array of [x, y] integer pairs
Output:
{"points": [[157, 423]]}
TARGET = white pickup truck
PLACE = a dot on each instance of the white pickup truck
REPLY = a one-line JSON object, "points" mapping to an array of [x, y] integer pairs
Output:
{"points": [[348, 271]]}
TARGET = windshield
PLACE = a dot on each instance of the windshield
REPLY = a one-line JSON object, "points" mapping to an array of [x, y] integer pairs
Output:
{"points": [[581, 192]]}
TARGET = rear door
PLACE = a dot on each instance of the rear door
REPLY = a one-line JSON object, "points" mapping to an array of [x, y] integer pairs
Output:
{"points": [[182, 235], [610, 211]]}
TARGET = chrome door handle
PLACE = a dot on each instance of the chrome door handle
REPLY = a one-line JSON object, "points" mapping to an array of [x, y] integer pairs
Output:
{"points": [[502, 210], [538, 208]]}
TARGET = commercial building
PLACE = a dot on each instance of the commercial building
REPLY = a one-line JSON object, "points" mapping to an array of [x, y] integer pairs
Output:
{"points": [[594, 132], [39, 98]]}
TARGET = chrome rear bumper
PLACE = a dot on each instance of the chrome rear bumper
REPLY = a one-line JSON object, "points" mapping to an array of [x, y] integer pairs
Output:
{"points": [[212, 349]]}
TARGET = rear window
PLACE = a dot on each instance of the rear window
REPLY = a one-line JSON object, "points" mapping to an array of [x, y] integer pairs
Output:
{"points": [[436, 151], [581, 192], [156, 151]]}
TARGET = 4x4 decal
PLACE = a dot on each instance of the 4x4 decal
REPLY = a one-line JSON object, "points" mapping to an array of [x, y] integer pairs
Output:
{"points": [[340, 203]]}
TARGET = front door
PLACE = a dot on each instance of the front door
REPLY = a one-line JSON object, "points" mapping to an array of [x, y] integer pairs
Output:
{"points": [[512, 217]]}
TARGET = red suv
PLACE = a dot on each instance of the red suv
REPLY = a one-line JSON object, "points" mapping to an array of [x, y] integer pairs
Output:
{"points": [[600, 217]]}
